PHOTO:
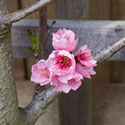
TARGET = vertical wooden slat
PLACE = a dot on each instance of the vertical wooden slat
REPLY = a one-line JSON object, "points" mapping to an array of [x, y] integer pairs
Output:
{"points": [[75, 108], [103, 74], [117, 72], [102, 107], [71, 9], [117, 68], [99, 9], [13, 5], [118, 9]]}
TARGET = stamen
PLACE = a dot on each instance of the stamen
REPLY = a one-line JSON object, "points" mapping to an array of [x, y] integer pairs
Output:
{"points": [[64, 62]]}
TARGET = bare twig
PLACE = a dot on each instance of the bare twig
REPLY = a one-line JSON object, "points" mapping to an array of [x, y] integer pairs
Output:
{"points": [[41, 100], [43, 37], [111, 50], [8, 19]]}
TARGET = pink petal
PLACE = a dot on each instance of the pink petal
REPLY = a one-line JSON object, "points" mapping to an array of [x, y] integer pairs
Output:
{"points": [[42, 64], [76, 84], [38, 80], [62, 87], [65, 79], [35, 69], [85, 71]]}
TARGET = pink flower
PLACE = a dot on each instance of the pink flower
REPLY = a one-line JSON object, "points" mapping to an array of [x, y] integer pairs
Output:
{"points": [[61, 62], [83, 56], [40, 73], [86, 72], [65, 84], [64, 40]]}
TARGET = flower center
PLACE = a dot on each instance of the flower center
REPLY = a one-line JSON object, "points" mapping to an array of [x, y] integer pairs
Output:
{"points": [[45, 73], [70, 81], [84, 56], [64, 62]]}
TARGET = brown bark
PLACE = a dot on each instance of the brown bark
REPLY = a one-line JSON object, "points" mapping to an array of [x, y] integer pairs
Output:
{"points": [[9, 111]]}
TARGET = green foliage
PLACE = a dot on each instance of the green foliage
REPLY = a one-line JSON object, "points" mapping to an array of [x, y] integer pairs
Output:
{"points": [[34, 41]]}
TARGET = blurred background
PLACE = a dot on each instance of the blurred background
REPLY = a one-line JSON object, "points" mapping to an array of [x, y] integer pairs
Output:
{"points": [[106, 100]]}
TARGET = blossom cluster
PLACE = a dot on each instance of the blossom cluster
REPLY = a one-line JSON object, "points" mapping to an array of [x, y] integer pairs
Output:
{"points": [[64, 69]]}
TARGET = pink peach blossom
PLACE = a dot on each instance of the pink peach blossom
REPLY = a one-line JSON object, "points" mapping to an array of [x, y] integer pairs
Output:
{"points": [[86, 72], [65, 84], [40, 73], [64, 40], [61, 62], [83, 56]]}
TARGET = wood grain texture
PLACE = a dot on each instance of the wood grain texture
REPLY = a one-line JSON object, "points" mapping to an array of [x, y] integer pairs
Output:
{"points": [[103, 74], [108, 104], [117, 68], [75, 107], [96, 34], [117, 72], [117, 9], [70, 9], [13, 5], [99, 9]]}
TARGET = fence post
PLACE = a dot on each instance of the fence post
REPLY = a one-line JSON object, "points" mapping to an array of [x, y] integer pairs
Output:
{"points": [[75, 108]]}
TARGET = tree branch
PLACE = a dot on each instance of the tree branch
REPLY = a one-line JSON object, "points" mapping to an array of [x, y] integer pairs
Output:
{"points": [[108, 52], [40, 101], [8, 19]]}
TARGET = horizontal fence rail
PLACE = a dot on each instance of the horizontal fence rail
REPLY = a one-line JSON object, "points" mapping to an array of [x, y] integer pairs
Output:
{"points": [[96, 34]]}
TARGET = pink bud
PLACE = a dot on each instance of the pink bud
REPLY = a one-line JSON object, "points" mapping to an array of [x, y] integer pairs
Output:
{"points": [[83, 56], [64, 40]]}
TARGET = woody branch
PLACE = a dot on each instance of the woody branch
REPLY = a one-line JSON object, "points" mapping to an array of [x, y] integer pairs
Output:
{"points": [[42, 100], [6, 19]]}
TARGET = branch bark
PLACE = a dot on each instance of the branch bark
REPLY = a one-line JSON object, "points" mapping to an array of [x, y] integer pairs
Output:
{"points": [[38, 105], [42, 100], [108, 52], [7, 19], [43, 37]]}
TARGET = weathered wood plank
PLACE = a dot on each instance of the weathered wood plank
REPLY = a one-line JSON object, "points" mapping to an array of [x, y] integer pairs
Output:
{"points": [[117, 68], [108, 104], [76, 106], [99, 9], [13, 5], [96, 34], [70, 9], [117, 9]]}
